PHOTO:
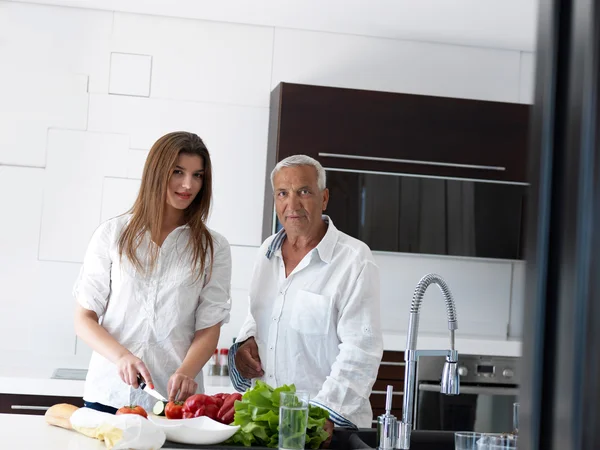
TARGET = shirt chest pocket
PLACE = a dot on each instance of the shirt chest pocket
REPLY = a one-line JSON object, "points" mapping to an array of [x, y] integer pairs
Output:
{"points": [[311, 313]]}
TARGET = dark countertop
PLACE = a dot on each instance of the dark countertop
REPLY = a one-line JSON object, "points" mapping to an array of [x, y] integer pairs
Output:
{"points": [[345, 438]]}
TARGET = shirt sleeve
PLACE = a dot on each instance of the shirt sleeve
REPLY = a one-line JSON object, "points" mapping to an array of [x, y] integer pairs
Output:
{"points": [[92, 288], [354, 371], [240, 383], [215, 297], [247, 331]]}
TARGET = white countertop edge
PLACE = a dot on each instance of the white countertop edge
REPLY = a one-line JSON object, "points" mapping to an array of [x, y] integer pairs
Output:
{"points": [[467, 346], [35, 385]]}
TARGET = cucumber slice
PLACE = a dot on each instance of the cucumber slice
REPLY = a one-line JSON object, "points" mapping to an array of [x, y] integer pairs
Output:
{"points": [[159, 408]]}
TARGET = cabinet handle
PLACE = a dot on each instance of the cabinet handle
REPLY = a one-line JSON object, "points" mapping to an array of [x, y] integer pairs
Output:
{"points": [[30, 408], [413, 161], [437, 177], [391, 363]]}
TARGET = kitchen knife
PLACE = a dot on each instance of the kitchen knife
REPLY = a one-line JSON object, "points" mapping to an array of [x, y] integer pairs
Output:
{"points": [[148, 390]]}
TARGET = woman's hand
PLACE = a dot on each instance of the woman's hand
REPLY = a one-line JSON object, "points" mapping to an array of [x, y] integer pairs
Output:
{"points": [[129, 366], [181, 386]]}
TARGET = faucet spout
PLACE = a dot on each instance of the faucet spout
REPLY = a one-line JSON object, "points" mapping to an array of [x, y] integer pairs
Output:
{"points": [[450, 380], [415, 309]]}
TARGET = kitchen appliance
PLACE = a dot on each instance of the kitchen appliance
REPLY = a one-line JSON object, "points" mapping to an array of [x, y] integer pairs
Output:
{"points": [[489, 385]]}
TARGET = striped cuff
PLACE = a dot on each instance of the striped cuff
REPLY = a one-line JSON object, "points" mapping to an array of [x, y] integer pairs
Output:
{"points": [[240, 383], [336, 418]]}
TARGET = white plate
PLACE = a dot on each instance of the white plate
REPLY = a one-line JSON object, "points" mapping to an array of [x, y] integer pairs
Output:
{"points": [[199, 430]]}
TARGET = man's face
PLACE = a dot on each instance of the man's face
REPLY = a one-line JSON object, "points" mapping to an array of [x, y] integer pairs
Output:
{"points": [[298, 200]]}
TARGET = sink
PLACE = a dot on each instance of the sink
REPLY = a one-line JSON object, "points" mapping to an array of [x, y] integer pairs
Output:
{"points": [[366, 438], [69, 374]]}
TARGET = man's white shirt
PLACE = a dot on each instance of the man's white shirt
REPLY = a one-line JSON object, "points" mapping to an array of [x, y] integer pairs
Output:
{"points": [[319, 328]]}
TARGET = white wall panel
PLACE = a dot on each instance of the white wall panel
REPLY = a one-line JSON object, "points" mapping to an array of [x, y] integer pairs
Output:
{"points": [[527, 78], [30, 103], [493, 23], [239, 309], [47, 39], [198, 60], [130, 74], [135, 163], [77, 164], [21, 192], [244, 259], [397, 66], [235, 136], [517, 302], [118, 196], [481, 290]]}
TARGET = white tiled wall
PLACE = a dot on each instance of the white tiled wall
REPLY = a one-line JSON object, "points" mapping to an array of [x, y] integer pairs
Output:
{"points": [[85, 93]]}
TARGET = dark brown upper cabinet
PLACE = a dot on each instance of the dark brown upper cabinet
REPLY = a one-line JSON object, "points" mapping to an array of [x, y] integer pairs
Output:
{"points": [[409, 173]]}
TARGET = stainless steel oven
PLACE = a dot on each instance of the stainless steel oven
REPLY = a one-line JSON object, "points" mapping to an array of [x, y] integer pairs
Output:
{"points": [[488, 388]]}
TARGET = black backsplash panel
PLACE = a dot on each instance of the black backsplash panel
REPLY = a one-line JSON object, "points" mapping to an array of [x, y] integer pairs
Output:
{"points": [[399, 213]]}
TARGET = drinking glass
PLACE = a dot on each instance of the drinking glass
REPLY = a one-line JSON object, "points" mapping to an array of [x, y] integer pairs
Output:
{"points": [[293, 419]]}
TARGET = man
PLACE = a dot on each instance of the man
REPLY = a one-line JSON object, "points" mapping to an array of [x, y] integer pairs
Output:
{"points": [[314, 304]]}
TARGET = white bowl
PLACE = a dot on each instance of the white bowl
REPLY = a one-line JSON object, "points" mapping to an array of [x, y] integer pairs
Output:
{"points": [[199, 430]]}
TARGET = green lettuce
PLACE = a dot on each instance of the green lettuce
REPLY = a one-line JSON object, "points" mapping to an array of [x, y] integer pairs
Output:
{"points": [[257, 414]]}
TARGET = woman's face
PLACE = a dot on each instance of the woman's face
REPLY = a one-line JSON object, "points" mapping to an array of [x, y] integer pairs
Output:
{"points": [[186, 181]]}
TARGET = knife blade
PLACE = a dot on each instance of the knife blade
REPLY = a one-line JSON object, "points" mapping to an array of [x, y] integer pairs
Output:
{"points": [[148, 390]]}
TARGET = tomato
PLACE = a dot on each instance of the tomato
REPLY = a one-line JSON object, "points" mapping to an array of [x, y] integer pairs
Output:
{"points": [[174, 410], [133, 409]]}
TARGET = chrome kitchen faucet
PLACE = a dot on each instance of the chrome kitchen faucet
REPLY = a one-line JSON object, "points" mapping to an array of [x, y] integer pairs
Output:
{"points": [[450, 384]]}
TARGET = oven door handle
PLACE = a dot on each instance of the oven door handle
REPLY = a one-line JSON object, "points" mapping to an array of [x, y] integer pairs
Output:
{"points": [[477, 390]]}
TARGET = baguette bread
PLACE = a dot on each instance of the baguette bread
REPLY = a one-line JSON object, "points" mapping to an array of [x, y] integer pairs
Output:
{"points": [[60, 415]]}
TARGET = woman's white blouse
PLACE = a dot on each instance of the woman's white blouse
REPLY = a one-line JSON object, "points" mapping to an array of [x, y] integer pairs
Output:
{"points": [[154, 316]]}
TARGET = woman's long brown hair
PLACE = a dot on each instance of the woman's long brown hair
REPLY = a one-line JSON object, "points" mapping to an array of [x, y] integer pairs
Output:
{"points": [[148, 209]]}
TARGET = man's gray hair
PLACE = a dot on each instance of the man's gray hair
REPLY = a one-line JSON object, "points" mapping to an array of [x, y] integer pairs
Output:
{"points": [[301, 160]]}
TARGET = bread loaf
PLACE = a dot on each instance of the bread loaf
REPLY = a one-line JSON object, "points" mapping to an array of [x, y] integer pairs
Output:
{"points": [[60, 415]]}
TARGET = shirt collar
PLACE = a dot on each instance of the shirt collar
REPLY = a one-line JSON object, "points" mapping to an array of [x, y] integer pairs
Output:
{"points": [[324, 248]]}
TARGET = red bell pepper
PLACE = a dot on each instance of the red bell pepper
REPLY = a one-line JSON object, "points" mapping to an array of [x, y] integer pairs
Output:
{"points": [[195, 406], [211, 411], [227, 411], [220, 398]]}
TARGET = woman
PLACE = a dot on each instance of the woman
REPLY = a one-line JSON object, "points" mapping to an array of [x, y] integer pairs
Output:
{"points": [[155, 284]]}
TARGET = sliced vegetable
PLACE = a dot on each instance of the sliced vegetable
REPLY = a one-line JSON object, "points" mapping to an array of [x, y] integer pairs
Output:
{"points": [[159, 408]]}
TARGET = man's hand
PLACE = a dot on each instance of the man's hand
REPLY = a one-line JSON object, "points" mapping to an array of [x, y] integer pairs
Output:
{"points": [[329, 428], [247, 361]]}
